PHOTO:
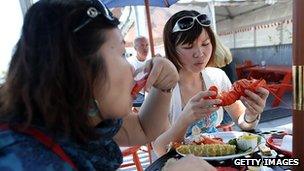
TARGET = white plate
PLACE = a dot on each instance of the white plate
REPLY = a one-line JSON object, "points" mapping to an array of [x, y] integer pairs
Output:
{"points": [[226, 136], [273, 154]]}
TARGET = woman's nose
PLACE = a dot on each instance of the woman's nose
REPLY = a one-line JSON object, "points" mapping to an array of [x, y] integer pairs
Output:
{"points": [[198, 52]]}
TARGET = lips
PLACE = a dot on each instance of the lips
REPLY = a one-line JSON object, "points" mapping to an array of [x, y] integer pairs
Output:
{"points": [[199, 64]]}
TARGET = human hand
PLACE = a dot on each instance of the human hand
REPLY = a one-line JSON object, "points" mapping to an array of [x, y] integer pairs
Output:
{"points": [[255, 102], [163, 74], [190, 162], [199, 107]]}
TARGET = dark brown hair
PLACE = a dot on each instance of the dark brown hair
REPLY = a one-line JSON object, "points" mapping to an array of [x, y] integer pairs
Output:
{"points": [[53, 69], [172, 40]]}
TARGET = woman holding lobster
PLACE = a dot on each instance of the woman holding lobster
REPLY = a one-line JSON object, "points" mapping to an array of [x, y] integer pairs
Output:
{"points": [[190, 46]]}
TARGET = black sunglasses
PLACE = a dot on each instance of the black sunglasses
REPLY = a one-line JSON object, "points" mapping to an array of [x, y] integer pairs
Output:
{"points": [[187, 22], [96, 9]]}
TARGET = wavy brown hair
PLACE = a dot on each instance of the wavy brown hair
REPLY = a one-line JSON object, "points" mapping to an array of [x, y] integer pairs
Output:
{"points": [[172, 40], [53, 70]]}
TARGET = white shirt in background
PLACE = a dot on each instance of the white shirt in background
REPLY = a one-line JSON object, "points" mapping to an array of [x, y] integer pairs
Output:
{"points": [[135, 62]]}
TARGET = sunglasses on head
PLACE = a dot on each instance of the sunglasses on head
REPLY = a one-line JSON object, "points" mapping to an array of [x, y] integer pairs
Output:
{"points": [[96, 9], [187, 22]]}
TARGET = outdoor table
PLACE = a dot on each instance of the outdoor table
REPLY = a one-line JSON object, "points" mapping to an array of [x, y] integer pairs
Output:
{"points": [[284, 85], [240, 68], [160, 162]]}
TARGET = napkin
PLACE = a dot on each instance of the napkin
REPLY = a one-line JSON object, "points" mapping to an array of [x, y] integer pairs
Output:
{"points": [[287, 143]]}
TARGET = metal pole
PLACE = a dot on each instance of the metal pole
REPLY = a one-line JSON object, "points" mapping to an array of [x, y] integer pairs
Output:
{"points": [[298, 82], [147, 5], [254, 36]]}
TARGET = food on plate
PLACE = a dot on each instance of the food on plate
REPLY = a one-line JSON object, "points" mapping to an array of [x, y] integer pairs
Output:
{"points": [[173, 145], [207, 150], [198, 138], [266, 151], [232, 142], [247, 141], [202, 139], [208, 140], [218, 145]]}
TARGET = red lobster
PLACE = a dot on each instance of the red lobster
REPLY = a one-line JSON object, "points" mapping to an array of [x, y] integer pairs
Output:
{"points": [[138, 86], [140, 83], [238, 90]]}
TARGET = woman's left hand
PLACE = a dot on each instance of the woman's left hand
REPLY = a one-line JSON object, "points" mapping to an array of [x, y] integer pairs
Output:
{"points": [[163, 74], [255, 102]]}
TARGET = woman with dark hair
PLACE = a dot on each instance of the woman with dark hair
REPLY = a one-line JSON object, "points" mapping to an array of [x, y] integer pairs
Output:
{"points": [[66, 100], [190, 45]]}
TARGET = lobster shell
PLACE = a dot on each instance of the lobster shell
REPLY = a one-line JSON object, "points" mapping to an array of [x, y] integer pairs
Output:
{"points": [[237, 90]]}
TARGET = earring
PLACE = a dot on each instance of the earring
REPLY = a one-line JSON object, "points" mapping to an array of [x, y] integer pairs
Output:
{"points": [[93, 110]]}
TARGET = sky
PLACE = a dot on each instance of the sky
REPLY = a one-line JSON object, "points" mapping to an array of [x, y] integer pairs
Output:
{"points": [[11, 22]]}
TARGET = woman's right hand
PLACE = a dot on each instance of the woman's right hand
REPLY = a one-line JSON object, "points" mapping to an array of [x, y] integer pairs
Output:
{"points": [[163, 74], [198, 107], [190, 162]]}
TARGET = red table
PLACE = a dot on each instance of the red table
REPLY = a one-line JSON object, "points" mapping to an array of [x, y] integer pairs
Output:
{"points": [[240, 69], [282, 86]]}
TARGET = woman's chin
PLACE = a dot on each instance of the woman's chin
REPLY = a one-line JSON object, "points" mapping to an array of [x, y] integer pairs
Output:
{"points": [[197, 69]]}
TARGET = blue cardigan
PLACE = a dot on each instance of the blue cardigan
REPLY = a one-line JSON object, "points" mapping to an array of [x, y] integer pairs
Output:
{"points": [[21, 152]]}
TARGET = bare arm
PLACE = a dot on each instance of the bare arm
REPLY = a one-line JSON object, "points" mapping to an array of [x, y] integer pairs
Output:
{"points": [[246, 114], [195, 109], [153, 115], [149, 123], [174, 133], [236, 110]]}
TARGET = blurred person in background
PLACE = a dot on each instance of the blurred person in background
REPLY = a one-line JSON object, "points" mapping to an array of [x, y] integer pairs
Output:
{"points": [[141, 47], [223, 59]]}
